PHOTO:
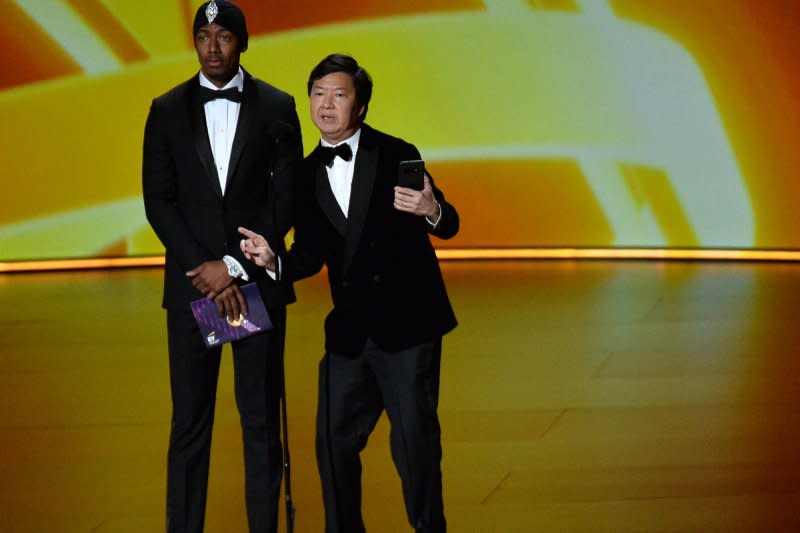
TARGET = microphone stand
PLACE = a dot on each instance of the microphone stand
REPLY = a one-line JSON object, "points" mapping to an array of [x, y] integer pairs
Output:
{"points": [[287, 463], [284, 425]]}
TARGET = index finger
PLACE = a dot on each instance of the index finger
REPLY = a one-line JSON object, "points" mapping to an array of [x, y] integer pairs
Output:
{"points": [[248, 233]]}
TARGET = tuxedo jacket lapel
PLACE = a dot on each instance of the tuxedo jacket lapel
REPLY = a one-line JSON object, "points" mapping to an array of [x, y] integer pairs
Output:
{"points": [[244, 126], [197, 120], [364, 175], [325, 198]]}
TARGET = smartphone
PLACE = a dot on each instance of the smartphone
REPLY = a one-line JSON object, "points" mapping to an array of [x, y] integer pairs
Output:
{"points": [[411, 174]]}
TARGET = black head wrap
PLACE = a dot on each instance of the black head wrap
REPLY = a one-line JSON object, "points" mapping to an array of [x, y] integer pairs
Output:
{"points": [[229, 16]]}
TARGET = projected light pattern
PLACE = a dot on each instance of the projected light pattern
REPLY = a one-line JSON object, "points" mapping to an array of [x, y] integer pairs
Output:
{"points": [[548, 123]]}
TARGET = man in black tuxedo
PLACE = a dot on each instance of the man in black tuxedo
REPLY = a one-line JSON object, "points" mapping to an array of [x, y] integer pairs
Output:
{"points": [[390, 307], [220, 151]]}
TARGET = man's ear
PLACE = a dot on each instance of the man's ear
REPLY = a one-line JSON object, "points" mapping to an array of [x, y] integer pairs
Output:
{"points": [[362, 112]]}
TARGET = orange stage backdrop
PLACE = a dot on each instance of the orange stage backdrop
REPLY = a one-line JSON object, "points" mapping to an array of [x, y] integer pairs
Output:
{"points": [[580, 123]]}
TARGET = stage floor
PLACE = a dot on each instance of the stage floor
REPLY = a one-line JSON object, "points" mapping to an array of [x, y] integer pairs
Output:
{"points": [[575, 396]]}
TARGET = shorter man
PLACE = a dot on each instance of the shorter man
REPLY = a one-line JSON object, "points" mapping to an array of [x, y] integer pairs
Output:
{"points": [[390, 306]]}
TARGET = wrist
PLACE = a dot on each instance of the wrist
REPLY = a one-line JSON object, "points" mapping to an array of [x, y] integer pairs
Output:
{"points": [[434, 218]]}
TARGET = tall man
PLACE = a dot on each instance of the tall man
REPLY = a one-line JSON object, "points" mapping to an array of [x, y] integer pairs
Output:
{"points": [[390, 307], [219, 152]]}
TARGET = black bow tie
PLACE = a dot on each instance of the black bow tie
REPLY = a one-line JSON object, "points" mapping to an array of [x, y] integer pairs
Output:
{"points": [[328, 153], [233, 94]]}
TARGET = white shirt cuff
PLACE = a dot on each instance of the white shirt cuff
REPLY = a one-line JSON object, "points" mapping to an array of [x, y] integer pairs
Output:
{"points": [[272, 273], [434, 224]]}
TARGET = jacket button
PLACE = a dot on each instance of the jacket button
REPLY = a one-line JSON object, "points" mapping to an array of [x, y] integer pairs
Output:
{"points": [[345, 284], [376, 278], [372, 244]]}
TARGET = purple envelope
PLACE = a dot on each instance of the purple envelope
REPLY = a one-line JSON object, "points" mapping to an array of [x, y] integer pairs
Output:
{"points": [[217, 331]]}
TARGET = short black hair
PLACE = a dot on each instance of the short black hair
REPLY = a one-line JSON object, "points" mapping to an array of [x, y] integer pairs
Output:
{"points": [[362, 81]]}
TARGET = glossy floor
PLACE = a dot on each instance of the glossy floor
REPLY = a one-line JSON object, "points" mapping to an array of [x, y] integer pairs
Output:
{"points": [[592, 396]]}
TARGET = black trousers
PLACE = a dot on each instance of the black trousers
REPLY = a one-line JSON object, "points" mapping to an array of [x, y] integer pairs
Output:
{"points": [[353, 392], [193, 379]]}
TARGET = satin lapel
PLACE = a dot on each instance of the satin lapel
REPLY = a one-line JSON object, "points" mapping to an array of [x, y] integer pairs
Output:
{"points": [[364, 175], [197, 119], [327, 201], [244, 126]]}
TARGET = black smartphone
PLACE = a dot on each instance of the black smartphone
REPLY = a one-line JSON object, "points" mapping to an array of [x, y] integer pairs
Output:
{"points": [[411, 174]]}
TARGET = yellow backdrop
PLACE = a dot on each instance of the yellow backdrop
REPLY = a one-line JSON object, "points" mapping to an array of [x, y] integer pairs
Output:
{"points": [[597, 123]]}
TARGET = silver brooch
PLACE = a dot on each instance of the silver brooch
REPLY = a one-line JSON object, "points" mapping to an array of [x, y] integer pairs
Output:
{"points": [[212, 11]]}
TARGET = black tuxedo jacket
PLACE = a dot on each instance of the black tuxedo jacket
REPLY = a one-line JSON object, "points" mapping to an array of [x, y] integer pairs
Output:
{"points": [[183, 200], [384, 275]]}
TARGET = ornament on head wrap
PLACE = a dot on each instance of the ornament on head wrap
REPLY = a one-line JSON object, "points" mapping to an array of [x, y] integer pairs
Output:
{"points": [[211, 11]]}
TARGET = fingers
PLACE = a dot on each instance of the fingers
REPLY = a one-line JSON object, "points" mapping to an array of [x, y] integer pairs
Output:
{"points": [[230, 303], [255, 248], [241, 299], [260, 255], [196, 270], [249, 234], [200, 285], [249, 247], [211, 278], [403, 194], [253, 245], [246, 246], [406, 200], [419, 203], [218, 303]]}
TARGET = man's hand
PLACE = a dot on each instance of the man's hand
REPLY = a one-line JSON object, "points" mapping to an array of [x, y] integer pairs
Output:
{"points": [[421, 203], [231, 303], [256, 249], [211, 278]]}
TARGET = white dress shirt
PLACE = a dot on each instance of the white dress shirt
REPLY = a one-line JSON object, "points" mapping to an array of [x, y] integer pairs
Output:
{"points": [[221, 118], [340, 175], [222, 115]]}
